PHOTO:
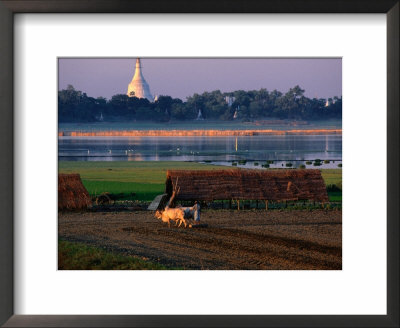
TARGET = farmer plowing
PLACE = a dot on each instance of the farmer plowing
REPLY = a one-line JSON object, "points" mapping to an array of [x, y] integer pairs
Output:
{"points": [[179, 214]]}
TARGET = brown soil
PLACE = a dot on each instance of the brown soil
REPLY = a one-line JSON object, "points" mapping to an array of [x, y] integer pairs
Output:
{"points": [[245, 240]]}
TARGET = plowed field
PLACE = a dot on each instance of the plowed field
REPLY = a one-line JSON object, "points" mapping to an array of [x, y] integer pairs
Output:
{"points": [[244, 240]]}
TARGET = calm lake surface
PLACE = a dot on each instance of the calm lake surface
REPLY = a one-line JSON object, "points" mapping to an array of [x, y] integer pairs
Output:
{"points": [[219, 150]]}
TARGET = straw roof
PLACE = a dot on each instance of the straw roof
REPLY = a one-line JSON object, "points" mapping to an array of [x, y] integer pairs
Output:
{"points": [[242, 184], [72, 194]]}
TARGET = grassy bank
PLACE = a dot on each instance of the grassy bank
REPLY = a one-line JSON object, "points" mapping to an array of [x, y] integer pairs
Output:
{"points": [[78, 256], [147, 179]]}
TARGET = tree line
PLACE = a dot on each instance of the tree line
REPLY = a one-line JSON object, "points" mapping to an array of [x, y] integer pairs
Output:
{"points": [[76, 106]]}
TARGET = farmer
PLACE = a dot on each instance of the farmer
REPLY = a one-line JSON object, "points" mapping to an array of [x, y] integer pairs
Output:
{"points": [[192, 212], [196, 214]]}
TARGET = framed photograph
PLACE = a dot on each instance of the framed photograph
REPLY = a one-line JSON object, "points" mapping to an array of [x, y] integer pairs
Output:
{"points": [[183, 165]]}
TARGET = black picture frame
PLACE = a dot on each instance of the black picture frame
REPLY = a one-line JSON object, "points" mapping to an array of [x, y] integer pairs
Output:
{"points": [[10, 7]]}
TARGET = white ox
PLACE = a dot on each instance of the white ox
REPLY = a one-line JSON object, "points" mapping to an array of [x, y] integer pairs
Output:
{"points": [[179, 214]]}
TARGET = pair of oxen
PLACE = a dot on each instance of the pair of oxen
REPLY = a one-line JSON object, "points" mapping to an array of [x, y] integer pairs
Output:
{"points": [[179, 214]]}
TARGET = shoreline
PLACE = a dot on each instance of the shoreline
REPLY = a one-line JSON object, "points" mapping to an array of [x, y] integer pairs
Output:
{"points": [[196, 133]]}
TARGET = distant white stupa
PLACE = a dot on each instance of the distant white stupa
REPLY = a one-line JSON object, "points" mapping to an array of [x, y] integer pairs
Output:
{"points": [[199, 116], [138, 86], [235, 116]]}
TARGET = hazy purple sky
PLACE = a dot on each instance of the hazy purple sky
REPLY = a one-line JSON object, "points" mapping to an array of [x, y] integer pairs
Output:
{"points": [[180, 77]]}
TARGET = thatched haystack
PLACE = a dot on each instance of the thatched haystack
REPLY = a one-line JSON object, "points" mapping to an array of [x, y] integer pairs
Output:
{"points": [[72, 195], [242, 184]]}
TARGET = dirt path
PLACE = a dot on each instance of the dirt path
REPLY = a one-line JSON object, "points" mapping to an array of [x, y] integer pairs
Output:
{"points": [[266, 240]]}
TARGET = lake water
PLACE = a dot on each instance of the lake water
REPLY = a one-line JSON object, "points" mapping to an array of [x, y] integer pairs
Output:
{"points": [[278, 148]]}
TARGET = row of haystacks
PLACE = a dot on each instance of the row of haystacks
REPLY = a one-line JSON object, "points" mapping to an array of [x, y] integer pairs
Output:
{"points": [[246, 184], [72, 195]]}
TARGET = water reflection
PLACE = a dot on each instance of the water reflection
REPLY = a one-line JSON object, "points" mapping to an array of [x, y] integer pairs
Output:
{"points": [[285, 147]]}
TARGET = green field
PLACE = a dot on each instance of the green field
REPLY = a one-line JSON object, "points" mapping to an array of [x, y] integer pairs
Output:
{"points": [[335, 196], [147, 179], [78, 256], [332, 176]]}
